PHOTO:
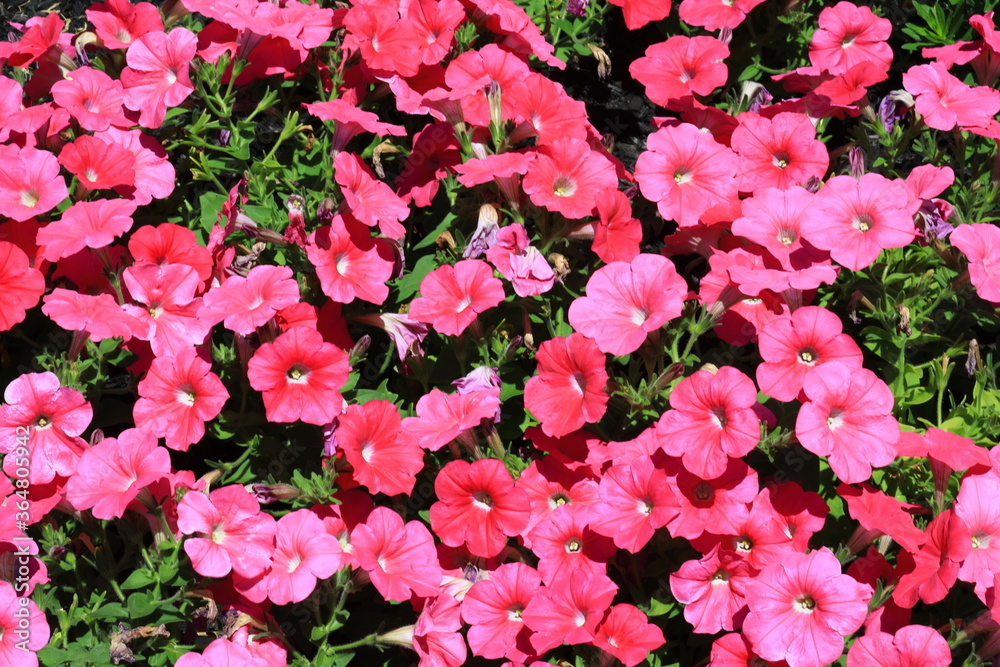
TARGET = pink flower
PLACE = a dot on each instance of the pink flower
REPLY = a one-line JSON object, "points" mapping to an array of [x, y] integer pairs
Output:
{"points": [[178, 395], [21, 285], [626, 634], [300, 376], [913, 645], [719, 506], [716, 14], [400, 559], [303, 553], [369, 200], [793, 345], [86, 224], [980, 242], [713, 590], [92, 97], [493, 607], [243, 304], [154, 174], [24, 629], [681, 66], [452, 296], [436, 636], [849, 35], [100, 315], [30, 183], [157, 73], [443, 417], [978, 506], [712, 419], [856, 219], [385, 458], [778, 152], [635, 501], [478, 506], [802, 608], [687, 173], [568, 613], [98, 165], [944, 101], [627, 301], [848, 419], [111, 474], [119, 23], [568, 391], [566, 177], [774, 218], [234, 535], [169, 307], [221, 653], [568, 548], [349, 262], [53, 417], [520, 262]]}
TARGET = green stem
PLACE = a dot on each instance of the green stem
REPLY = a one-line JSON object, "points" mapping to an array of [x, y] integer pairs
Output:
{"points": [[365, 641]]}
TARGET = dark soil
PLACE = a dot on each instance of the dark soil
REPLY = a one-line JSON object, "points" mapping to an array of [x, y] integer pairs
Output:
{"points": [[19, 11]]}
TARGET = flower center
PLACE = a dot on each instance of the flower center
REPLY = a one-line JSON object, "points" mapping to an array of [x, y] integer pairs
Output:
{"points": [[848, 41], [786, 237], [563, 186], [781, 160], [682, 176], [90, 105], [805, 604], [720, 577], [185, 394], [218, 533], [836, 419], [482, 500], [171, 76], [639, 316], [514, 613], [645, 505], [980, 540], [687, 75], [808, 356], [719, 417], [341, 262], [703, 492], [30, 198], [744, 544], [90, 175], [367, 450], [294, 563], [557, 499], [574, 545], [43, 422], [579, 381], [863, 222], [297, 374]]}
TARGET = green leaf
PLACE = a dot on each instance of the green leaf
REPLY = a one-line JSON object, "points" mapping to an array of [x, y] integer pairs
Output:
{"points": [[211, 205], [410, 283], [443, 226], [140, 605], [138, 579]]}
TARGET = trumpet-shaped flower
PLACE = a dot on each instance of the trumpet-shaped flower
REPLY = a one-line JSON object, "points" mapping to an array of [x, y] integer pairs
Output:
{"points": [[568, 391], [452, 296]]}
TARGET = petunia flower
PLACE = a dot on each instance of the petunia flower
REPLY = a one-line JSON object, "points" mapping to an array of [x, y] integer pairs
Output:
{"points": [[681, 66], [300, 376], [802, 608], [568, 613], [566, 177], [177, 396], [569, 389], [92, 97], [98, 165], [385, 457], [520, 262], [779, 152], [399, 558], [244, 303], [368, 199], [568, 548], [635, 501], [24, 629], [493, 609], [86, 224], [157, 73], [21, 285], [304, 553], [716, 14], [478, 506], [232, 534], [849, 35], [30, 183], [452, 296], [713, 590], [119, 22], [911, 645], [112, 473], [980, 243], [625, 302], [627, 634]]}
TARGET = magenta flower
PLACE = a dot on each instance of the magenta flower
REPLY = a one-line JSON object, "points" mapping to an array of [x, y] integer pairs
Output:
{"points": [[568, 612], [635, 501], [111, 474], [944, 101], [802, 608], [848, 418], [30, 183], [713, 590], [849, 35], [452, 296], [978, 506], [443, 417], [626, 301], [233, 534], [627, 634], [778, 152]]}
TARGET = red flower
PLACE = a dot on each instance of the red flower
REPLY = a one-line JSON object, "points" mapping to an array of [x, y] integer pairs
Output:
{"points": [[168, 243], [385, 458], [98, 165], [369, 200], [681, 66], [452, 296], [478, 506], [21, 286], [119, 23], [300, 375], [350, 264], [687, 173], [177, 396], [567, 175], [719, 506], [716, 14], [568, 391], [626, 634], [568, 548], [640, 12]]}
